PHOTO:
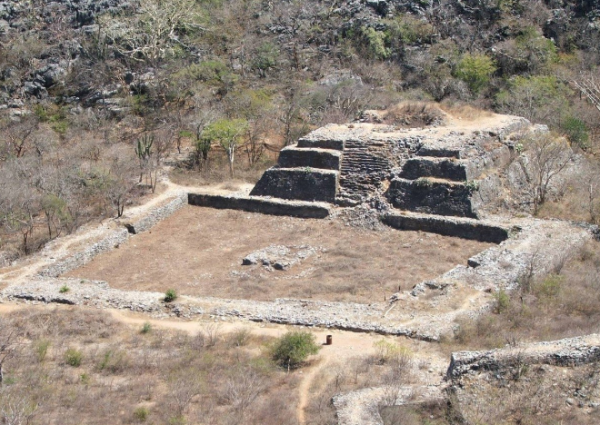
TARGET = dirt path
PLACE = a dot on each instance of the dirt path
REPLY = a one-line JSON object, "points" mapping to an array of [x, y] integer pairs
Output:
{"points": [[346, 345]]}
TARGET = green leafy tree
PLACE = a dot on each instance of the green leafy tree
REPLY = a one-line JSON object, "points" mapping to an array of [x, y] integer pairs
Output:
{"points": [[293, 348], [576, 131], [265, 58], [376, 43], [475, 70], [228, 134], [539, 98]]}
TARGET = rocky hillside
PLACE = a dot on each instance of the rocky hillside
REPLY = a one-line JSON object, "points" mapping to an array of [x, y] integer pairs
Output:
{"points": [[94, 94]]}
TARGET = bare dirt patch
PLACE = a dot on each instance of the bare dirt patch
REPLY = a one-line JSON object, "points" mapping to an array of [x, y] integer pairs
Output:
{"points": [[199, 252]]}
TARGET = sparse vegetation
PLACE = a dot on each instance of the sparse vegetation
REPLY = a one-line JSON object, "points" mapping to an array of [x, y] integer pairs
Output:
{"points": [[159, 376], [556, 306], [96, 97], [146, 328]]}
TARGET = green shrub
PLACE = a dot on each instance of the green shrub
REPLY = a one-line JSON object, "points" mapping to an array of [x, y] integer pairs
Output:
{"points": [[411, 30], [141, 414], [549, 287], [64, 289], [576, 131], [170, 295], [502, 300], [376, 43], [146, 328], [389, 352], [113, 361], [73, 357], [292, 349], [536, 98], [475, 70]]}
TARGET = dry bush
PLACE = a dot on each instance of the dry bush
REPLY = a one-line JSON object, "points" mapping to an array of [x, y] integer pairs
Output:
{"points": [[579, 198], [414, 114], [464, 111]]}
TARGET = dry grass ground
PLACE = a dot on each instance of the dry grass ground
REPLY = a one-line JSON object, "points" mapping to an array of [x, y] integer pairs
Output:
{"points": [[76, 366], [199, 251]]}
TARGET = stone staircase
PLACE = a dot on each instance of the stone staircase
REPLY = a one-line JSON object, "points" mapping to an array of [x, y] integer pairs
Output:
{"points": [[364, 166], [344, 172]]}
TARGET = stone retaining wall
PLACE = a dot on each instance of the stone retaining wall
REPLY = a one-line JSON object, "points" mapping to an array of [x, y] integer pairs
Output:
{"points": [[565, 352], [447, 226], [260, 205], [158, 214], [302, 184]]}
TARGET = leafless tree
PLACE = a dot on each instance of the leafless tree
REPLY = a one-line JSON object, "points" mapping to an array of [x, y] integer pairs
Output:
{"points": [[15, 408], [589, 85], [545, 158], [10, 345], [185, 386], [17, 139], [243, 387], [211, 332]]}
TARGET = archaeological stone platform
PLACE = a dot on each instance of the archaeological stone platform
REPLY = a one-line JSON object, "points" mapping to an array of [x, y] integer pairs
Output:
{"points": [[440, 179]]}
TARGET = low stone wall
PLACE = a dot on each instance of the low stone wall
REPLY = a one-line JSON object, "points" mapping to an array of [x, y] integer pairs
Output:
{"points": [[78, 259], [158, 214], [565, 352], [426, 167], [321, 143], [466, 229], [260, 205], [308, 184]]}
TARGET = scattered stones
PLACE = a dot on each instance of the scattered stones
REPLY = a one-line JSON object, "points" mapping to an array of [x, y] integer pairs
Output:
{"points": [[280, 257]]}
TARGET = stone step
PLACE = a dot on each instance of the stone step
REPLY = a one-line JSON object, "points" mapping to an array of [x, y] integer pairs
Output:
{"points": [[439, 152], [337, 145], [465, 228], [427, 166], [432, 196], [298, 183], [294, 157]]}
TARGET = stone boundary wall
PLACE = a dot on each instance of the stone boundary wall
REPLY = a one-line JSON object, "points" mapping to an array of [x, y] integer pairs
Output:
{"points": [[78, 259], [360, 407], [158, 215], [448, 227], [260, 205], [113, 239], [565, 352]]}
